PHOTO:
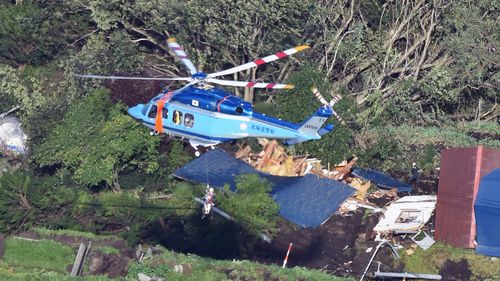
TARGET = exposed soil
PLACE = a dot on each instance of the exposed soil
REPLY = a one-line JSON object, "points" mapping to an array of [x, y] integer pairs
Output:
{"points": [[482, 136], [114, 265], [452, 271], [338, 246]]}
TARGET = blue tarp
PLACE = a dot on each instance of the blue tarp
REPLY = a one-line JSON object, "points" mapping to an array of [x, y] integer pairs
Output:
{"points": [[307, 201], [487, 211], [381, 179]]}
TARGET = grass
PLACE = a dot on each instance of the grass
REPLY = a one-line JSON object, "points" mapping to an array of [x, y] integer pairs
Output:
{"points": [[108, 250], [453, 136], [16, 273], [430, 261], [420, 144], [43, 254], [73, 233], [204, 269]]}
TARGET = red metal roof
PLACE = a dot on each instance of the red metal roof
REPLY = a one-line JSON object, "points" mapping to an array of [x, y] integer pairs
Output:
{"points": [[461, 171]]}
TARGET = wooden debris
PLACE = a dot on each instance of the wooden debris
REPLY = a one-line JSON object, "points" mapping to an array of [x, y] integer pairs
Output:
{"points": [[361, 186], [344, 169], [244, 152], [273, 159]]}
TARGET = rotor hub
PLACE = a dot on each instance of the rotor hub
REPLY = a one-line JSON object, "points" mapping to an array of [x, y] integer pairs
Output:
{"points": [[199, 76]]}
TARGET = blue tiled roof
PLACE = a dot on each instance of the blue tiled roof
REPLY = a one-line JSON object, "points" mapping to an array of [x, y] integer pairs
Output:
{"points": [[306, 201], [381, 179]]}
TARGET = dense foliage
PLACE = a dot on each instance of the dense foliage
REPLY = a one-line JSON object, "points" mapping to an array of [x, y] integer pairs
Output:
{"points": [[95, 142], [251, 205]]}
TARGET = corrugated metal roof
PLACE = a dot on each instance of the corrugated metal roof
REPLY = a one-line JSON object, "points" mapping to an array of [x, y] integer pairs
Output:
{"points": [[460, 172], [307, 201]]}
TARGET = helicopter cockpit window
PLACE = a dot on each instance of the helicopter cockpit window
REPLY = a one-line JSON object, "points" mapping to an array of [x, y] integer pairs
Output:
{"points": [[164, 113], [153, 111], [188, 120], [177, 117]]}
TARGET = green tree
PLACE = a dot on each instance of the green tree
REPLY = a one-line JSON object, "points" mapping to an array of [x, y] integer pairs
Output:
{"points": [[334, 146], [176, 157], [37, 31], [102, 54], [251, 205], [96, 141], [27, 200], [26, 91]]}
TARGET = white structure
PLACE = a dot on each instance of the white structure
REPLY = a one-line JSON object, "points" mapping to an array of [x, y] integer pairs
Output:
{"points": [[12, 138], [407, 215]]}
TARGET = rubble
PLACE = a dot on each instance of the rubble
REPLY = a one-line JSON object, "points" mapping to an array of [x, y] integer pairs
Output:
{"points": [[274, 160]]}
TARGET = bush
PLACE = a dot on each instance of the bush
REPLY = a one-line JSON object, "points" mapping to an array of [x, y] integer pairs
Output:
{"points": [[251, 205]]}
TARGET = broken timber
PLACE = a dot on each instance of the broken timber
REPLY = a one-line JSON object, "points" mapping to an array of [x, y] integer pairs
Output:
{"points": [[83, 251]]}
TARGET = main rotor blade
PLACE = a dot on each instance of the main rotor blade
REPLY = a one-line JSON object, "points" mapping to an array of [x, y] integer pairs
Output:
{"points": [[179, 52], [261, 61], [250, 84], [133, 78]]}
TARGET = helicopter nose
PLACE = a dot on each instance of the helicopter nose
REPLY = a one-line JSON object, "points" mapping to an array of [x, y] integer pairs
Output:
{"points": [[136, 111]]}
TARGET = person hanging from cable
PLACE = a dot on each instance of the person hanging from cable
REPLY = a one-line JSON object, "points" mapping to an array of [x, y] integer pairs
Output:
{"points": [[207, 206]]}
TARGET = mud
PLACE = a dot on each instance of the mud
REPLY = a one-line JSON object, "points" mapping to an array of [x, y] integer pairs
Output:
{"points": [[452, 271], [338, 246]]}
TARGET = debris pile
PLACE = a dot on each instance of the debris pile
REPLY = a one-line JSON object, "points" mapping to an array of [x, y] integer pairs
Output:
{"points": [[274, 160]]}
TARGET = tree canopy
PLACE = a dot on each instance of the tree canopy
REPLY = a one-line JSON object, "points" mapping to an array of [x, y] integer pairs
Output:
{"points": [[96, 141], [251, 205]]}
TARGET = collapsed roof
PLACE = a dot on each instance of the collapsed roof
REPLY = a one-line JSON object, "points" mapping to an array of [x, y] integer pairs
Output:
{"points": [[306, 201]]}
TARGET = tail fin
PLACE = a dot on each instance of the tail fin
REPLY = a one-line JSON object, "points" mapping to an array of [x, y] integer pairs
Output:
{"points": [[314, 123], [312, 128]]}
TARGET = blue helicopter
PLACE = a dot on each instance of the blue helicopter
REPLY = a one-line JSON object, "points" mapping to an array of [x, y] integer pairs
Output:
{"points": [[206, 115]]}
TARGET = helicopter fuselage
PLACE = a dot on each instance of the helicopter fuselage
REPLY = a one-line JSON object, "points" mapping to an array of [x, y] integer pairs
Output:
{"points": [[207, 117]]}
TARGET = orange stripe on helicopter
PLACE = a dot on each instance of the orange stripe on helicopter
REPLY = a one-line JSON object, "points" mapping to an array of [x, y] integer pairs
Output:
{"points": [[159, 117]]}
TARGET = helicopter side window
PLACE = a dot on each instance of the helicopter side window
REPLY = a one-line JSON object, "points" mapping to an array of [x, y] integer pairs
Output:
{"points": [[188, 120], [153, 111], [177, 117], [164, 113]]}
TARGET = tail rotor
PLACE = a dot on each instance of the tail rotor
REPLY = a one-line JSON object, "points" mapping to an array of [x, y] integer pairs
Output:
{"points": [[330, 104]]}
